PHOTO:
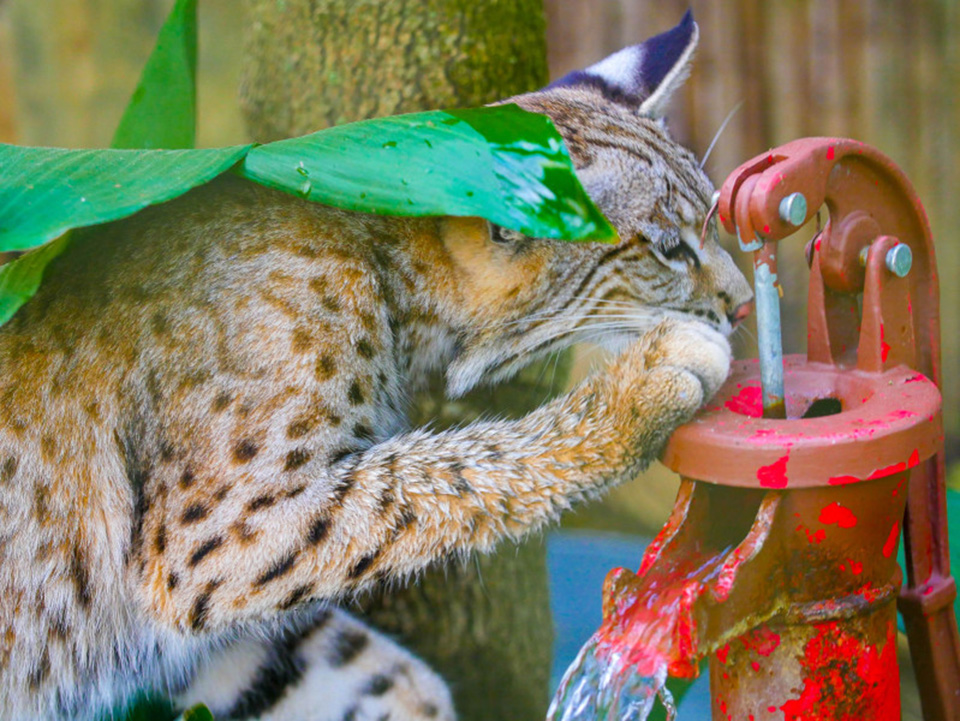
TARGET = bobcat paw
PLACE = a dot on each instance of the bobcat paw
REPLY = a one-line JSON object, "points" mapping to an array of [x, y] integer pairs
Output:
{"points": [[693, 347]]}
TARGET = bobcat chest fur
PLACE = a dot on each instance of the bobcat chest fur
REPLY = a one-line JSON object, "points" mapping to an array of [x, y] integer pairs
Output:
{"points": [[202, 416]]}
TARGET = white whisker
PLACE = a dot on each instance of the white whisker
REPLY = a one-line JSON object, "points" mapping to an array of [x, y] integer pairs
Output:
{"points": [[723, 126]]}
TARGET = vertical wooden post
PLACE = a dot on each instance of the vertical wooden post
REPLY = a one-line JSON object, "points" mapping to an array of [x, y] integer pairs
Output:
{"points": [[484, 625]]}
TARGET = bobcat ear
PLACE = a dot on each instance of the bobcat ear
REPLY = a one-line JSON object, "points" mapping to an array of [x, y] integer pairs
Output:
{"points": [[643, 76]]}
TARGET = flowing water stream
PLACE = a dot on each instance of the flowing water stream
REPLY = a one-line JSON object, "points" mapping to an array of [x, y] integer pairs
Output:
{"points": [[649, 631], [599, 686]]}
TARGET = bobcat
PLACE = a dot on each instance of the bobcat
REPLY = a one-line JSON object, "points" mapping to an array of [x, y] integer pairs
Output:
{"points": [[202, 429]]}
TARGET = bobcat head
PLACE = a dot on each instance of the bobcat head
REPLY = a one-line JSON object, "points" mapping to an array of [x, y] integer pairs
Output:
{"points": [[530, 296]]}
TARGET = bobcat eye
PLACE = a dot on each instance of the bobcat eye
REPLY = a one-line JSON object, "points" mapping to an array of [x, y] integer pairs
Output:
{"points": [[678, 251]]}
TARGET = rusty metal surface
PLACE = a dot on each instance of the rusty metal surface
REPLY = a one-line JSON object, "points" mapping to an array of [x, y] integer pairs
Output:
{"points": [[890, 421]]}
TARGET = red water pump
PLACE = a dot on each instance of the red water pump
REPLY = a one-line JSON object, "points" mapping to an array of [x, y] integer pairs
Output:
{"points": [[803, 473]]}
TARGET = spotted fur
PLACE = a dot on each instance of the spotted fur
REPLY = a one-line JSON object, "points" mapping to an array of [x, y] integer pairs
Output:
{"points": [[202, 417]]}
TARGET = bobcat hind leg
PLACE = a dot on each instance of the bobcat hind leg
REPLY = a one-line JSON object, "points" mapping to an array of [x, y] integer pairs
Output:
{"points": [[326, 667]]}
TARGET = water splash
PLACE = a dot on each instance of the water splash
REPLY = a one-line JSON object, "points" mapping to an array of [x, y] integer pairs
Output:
{"points": [[601, 685], [649, 630]]}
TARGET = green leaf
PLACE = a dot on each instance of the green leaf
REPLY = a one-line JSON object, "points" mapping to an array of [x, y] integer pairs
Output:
{"points": [[197, 713], [44, 192], [502, 163], [162, 111], [20, 278]]}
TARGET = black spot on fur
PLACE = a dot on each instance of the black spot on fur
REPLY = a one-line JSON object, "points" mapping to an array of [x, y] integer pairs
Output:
{"points": [[407, 518], [365, 349], [460, 483], [295, 596], [167, 451], [298, 429], [160, 542], [173, 580], [361, 566], [363, 432], [332, 303], [386, 500], [296, 491], [194, 512], [282, 668], [245, 450], [264, 501], [326, 367], [429, 710], [296, 458], [80, 576], [378, 685], [204, 550], [355, 393], [201, 607], [9, 469], [318, 530], [347, 645], [344, 486], [221, 401], [277, 570], [351, 714], [187, 478]]}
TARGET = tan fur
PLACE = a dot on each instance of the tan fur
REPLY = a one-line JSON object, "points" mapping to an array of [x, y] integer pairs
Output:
{"points": [[201, 412]]}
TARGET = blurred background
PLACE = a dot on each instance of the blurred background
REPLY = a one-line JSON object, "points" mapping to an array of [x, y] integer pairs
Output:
{"points": [[883, 71]]}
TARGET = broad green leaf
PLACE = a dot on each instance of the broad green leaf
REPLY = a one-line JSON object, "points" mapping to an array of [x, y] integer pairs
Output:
{"points": [[45, 192], [502, 163], [162, 111]]}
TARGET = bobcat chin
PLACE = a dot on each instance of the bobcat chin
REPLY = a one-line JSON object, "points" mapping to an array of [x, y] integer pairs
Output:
{"points": [[201, 416]]}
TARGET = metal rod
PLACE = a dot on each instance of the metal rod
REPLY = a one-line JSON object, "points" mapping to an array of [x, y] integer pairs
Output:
{"points": [[769, 338]]}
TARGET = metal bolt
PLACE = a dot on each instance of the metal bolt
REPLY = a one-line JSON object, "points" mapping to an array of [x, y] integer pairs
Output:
{"points": [[793, 209], [900, 260]]}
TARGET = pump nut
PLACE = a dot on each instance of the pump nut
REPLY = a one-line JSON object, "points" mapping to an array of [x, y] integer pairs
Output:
{"points": [[793, 209], [899, 260]]}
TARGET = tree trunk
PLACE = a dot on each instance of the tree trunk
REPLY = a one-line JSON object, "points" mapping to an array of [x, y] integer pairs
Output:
{"points": [[485, 626]]}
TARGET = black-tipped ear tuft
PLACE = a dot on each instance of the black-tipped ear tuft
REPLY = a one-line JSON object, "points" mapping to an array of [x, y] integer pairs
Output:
{"points": [[643, 76]]}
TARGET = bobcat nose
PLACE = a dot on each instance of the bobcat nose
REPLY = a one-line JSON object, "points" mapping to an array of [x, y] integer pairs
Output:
{"points": [[740, 314]]}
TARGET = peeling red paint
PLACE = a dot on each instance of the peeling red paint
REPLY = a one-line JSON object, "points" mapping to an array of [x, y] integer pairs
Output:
{"points": [[835, 513], [761, 640], [748, 402], [722, 654], [755, 666], [890, 546], [812, 537], [884, 346], [774, 475], [842, 480], [856, 567], [830, 153], [846, 678]]}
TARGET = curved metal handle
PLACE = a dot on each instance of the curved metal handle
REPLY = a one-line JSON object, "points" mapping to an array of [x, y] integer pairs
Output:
{"points": [[872, 206]]}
